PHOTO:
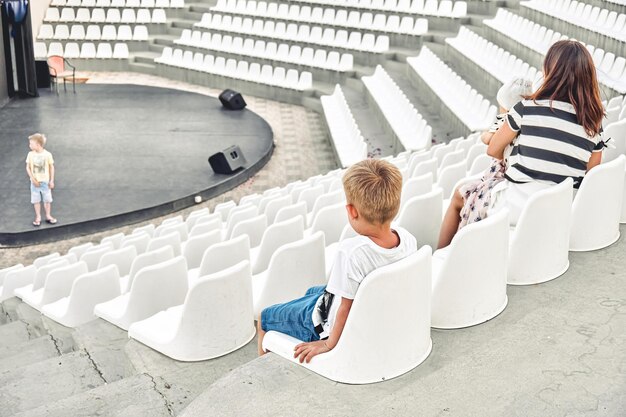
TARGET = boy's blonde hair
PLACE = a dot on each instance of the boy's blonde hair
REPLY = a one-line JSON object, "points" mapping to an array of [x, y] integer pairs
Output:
{"points": [[374, 186], [39, 138]]}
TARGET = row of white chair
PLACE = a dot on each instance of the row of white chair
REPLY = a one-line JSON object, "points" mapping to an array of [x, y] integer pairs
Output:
{"points": [[85, 15], [493, 59], [329, 16], [147, 4], [254, 72], [94, 33], [584, 15], [86, 50], [474, 111], [409, 126], [354, 40], [345, 134], [294, 54], [611, 69], [442, 8]]}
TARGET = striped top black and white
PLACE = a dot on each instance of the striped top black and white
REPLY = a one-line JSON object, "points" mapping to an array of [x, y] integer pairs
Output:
{"points": [[551, 145]]}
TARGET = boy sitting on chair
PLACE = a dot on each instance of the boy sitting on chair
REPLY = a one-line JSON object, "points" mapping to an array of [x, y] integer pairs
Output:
{"points": [[372, 190]]}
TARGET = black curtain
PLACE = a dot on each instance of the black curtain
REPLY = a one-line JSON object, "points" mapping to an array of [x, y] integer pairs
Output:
{"points": [[18, 37]]}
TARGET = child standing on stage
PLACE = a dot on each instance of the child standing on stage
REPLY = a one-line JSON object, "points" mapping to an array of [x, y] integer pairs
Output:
{"points": [[40, 169]]}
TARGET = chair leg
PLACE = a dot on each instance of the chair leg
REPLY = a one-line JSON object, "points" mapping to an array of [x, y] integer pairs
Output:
{"points": [[64, 87], [74, 84]]}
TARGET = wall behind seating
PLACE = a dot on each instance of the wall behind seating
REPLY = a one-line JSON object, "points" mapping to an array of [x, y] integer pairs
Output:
{"points": [[37, 13], [4, 89]]}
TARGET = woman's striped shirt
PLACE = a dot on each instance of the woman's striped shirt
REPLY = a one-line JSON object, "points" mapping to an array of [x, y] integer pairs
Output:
{"points": [[551, 145]]}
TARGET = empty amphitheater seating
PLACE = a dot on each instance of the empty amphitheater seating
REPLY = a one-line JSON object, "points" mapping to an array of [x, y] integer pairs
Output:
{"points": [[471, 108]]}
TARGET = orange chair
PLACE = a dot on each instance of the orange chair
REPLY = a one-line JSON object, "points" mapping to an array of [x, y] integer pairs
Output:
{"points": [[56, 65]]}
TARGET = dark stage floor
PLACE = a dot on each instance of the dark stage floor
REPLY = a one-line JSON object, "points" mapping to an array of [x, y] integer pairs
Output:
{"points": [[123, 153]]}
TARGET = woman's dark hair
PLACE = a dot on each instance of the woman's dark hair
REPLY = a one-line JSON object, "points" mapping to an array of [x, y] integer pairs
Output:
{"points": [[570, 76]]}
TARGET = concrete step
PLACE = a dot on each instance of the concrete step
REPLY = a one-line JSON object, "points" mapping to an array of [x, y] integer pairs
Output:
{"points": [[130, 397], [429, 110], [33, 385], [32, 351], [379, 142], [14, 333]]}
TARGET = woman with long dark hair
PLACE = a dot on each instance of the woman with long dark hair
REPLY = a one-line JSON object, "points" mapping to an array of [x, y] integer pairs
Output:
{"points": [[558, 131]]}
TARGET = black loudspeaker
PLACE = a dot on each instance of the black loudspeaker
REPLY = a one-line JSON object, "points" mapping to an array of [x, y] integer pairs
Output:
{"points": [[43, 74], [227, 161], [232, 100]]}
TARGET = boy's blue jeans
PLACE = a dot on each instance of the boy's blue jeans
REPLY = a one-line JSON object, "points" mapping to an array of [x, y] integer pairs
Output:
{"points": [[294, 318]]}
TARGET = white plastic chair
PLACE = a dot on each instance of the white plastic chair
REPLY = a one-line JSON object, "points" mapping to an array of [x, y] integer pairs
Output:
{"points": [[87, 291], [58, 284], [93, 255], [5, 271], [40, 279], [293, 210], [224, 208], [171, 239], [206, 224], [141, 261], [469, 276], [273, 205], [450, 175], [42, 260], [178, 227], [294, 268], [115, 239], [215, 319], [17, 278], [539, 244], [310, 195], [421, 216], [155, 288], [221, 256], [148, 229], [197, 245], [122, 257], [78, 250], [254, 228], [331, 220], [597, 207], [139, 240], [238, 214], [375, 346], [415, 186], [275, 236]]}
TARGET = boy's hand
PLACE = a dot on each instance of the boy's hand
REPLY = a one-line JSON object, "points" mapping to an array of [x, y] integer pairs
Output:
{"points": [[51, 185], [306, 351], [36, 183]]}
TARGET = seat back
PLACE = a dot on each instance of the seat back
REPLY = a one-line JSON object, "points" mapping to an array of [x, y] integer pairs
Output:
{"points": [[469, 285], [272, 207], [275, 236], [56, 64], [170, 239], [123, 258], [225, 254], [294, 268], [293, 210], [542, 234], [450, 175], [331, 220], [42, 273], [15, 279], [147, 259], [239, 214], [217, 314], [5, 271], [196, 245], [42, 260], [139, 240], [421, 216], [254, 228], [78, 250], [59, 282], [93, 255], [206, 224], [156, 288], [415, 186], [597, 207]]}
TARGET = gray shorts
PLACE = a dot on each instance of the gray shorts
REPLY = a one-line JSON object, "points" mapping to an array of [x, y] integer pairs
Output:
{"points": [[39, 193]]}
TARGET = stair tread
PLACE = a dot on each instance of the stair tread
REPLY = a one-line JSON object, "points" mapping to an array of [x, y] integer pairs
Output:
{"points": [[31, 351]]}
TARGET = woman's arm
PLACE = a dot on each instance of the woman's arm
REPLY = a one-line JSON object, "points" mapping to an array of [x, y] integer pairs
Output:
{"points": [[595, 159], [498, 143]]}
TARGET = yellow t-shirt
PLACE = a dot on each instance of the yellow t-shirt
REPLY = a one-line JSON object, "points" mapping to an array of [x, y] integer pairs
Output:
{"points": [[39, 163]]}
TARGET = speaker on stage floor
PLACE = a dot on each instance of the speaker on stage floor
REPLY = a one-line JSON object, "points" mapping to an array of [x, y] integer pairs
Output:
{"points": [[227, 161], [232, 100]]}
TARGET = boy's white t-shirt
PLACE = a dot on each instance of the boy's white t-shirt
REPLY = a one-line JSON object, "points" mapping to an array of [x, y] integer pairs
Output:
{"points": [[356, 258]]}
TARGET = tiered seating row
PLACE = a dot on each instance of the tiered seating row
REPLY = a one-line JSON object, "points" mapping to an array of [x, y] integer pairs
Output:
{"points": [[344, 132], [611, 69], [407, 123], [328, 16], [294, 54], [328, 37], [243, 70], [99, 15], [148, 4], [474, 111], [94, 32], [490, 57], [86, 50], [442, 8], [584, 15]]}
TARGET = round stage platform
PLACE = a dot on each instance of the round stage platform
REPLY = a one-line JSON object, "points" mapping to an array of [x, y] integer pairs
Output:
{"points": [[123, 154]]}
